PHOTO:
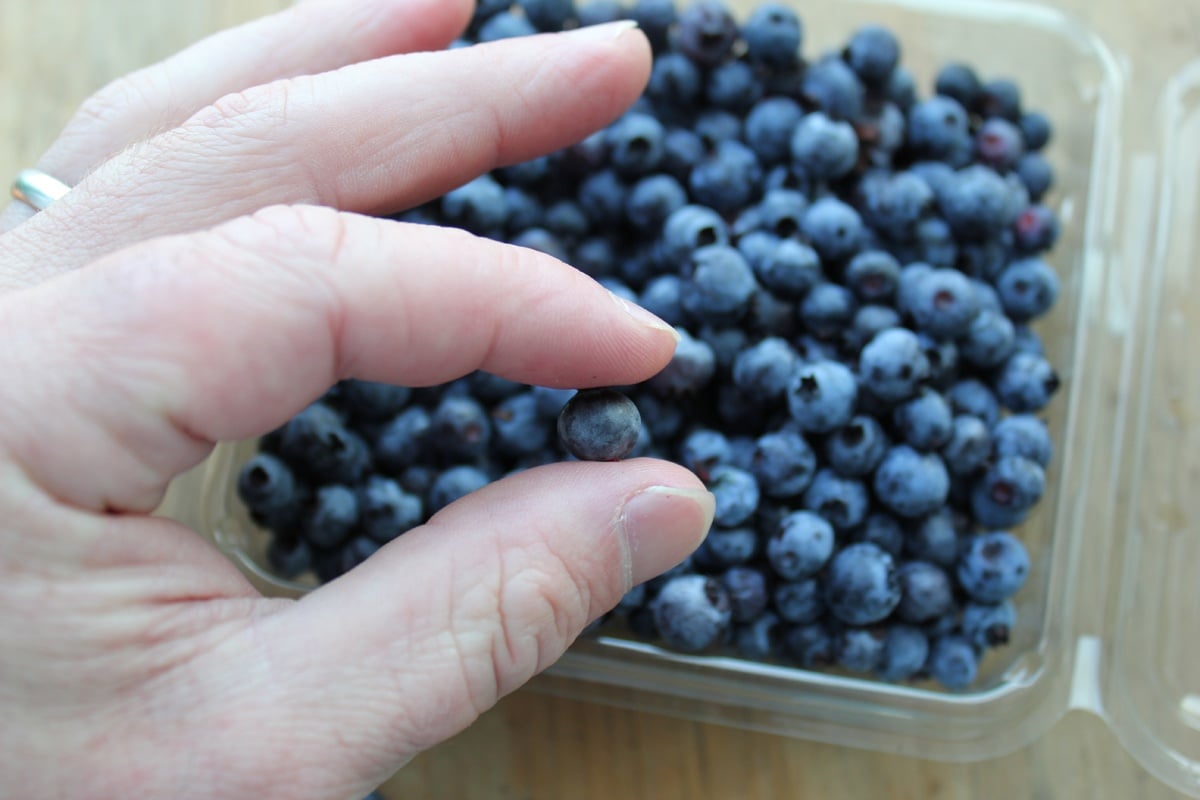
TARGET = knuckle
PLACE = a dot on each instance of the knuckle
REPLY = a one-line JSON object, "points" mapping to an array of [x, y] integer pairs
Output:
{"points": [[290, 234], [266, 104]]}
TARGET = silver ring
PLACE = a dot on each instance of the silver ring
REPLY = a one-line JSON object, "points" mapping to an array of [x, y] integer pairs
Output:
{"points": [[37, 189]]}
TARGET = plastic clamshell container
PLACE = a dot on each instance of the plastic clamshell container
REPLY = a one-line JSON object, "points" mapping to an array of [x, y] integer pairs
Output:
{"points": [[1108, 619]]}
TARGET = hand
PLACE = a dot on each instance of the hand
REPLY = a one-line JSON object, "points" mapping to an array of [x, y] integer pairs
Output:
{"points": [[205, 279]]}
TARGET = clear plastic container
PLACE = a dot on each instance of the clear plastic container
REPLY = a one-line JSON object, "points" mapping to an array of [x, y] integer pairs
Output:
{"points": [[1107, 621]]}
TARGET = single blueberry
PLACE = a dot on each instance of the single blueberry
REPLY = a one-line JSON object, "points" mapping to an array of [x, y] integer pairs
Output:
{"points": [[821, 396], [834, 229], [873, 52], [599, 425], [706, 32], [1028, 289], [882, 530], [385, 510], [925, 591], [720, 287], [783, 463], [924, 421], [959, 82], [799, 602], [266, 484], [728, 178], [455, 483], [936, 127], [873, 276], [690, 369], [969, 446], [334, 514], [893, 364], [801, 546], [736, 492], [987, 625], [993, 566], [856, 449], [691, 228], [769, 128], [811, 646], [842, 501], [910, 483], [478, 205], [760, 639], [747, 589], [827, 310], [1026, 382], [989, 341], [834, 88], [952, 662], [861, 586], [905, 650], [934, 539], [788, 268], [733, 86], [822, 148], [943, 303], [773, 33], [766, 368], [691, 612], [860, 649]]}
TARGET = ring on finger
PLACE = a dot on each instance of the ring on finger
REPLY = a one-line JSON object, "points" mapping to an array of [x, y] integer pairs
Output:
{"points": [[38, 190]]}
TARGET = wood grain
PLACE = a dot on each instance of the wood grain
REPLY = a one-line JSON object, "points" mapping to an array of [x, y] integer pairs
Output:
{"points": [[53, 53]]}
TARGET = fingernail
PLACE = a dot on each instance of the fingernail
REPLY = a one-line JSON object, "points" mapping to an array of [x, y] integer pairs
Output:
{"points": [[608, 32], [644, 317], [662, 526]]}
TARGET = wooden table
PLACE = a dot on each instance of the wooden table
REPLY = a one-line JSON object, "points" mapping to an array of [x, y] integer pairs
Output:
{"points": [[53, 53]]}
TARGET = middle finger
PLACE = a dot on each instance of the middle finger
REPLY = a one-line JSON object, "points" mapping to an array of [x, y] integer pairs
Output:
{"points": [[372, 138]]}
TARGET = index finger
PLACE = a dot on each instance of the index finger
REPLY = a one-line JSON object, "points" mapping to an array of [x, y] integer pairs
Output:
{"points": [[154, 353]]}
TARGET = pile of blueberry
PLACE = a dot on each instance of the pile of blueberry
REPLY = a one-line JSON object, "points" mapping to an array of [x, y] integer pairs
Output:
{"points": [[853, 270]]}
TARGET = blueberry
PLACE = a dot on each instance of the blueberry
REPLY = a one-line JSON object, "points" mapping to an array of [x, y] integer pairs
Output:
{"points": [[689, 370], [403, 441], [726, 343], [1024, 436], [526, 173], [599, 425], [773, 34], [884, 531], [733, 86], [934, 539], [873, 53], [505, 26], [706, 32], [715, 127], [856, 449], [1028, 341], [541, 240], [911, 484], [861, 587], [868, 321], [721, 285], [935, 242], [937, 127], [736, 493], [799, 602], [385, 510], [635, 144], [860, 649], [943, 303], [1001, 98], [634, 598], [766, 368], [460, 428], [975, 203], [289, 559], [266, 484], [952, 662], [822, 148], [653, 199], [566, 220], [992, 567], [479, 204], [987, 625], [961, 83], [548, 15], [1028, 289], [781, 212], [594, 256], [834, 88], [455, 483], [821, 396], [1026, 382], [809, 645], [801, 546], [1036, 230], [895, 205], [901, 89], [969, 446], [747, 589], [370, 401], [769, 127], [925, 421], [727, 179], [703, 450], [761, 639], [654, 18], [942, 355], [789, 268], [603, 196], [827, 309], [1011, 484], [783, 464], [524, 210], [675, 80], [334, 514], [661, 297], [834, 229], [1035, 129], [842, 501], [1037, 175], [417, 479], [873, 275], [905, 650], [691, 612], [970, 396], [691, 228], [893, 364], [682, 150], [316, 444], [926, 592], [726, 547], [989, 341], [518, 428]]}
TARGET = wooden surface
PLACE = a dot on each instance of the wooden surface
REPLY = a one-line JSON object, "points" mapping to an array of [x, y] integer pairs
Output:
{"points": [[53, 53]]}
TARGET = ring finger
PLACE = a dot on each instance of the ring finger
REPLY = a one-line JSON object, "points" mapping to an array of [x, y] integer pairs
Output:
{"points": [[370, 138]]}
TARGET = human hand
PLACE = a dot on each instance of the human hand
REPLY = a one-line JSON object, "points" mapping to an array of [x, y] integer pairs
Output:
{"points": [[196, 286]]}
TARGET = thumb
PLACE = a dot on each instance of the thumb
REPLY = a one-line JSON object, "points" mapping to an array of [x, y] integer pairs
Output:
{"points": [[410, 647]]}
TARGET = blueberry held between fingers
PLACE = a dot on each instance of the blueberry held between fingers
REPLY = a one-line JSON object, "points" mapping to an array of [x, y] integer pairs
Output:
{"points": [[599, 425]]}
